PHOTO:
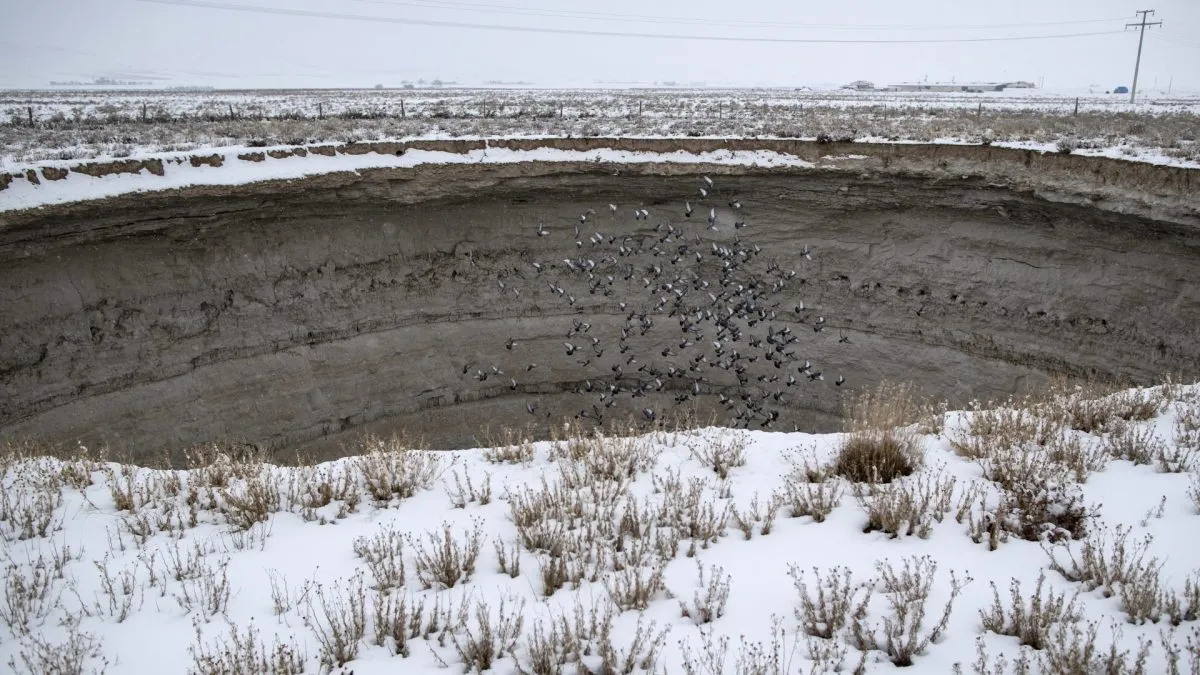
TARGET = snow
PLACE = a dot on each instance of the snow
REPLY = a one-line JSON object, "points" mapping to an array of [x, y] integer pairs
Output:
{"points": [[21, 194], [158, 632], [40, 126]]}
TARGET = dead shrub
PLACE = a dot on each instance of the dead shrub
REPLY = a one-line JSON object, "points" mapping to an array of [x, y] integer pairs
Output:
{"points": [[834, 602], [635, 586], [396, 621], [563, 640], [908, 507], [384, 555], [36, 655], [902, 634], [1029, 621], [245, 654], [708, 602], [1134, 443], [392, 471], [448, 561], [721, 454], [338, 620], [1074, 650], [481, 645], [1102, 562]]}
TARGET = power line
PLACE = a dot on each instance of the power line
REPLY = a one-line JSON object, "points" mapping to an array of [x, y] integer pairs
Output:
{"points": [[255, 9], [1141, 36], [645, 18]]}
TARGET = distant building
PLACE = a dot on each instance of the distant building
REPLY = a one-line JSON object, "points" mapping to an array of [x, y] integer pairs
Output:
{"points": [[969, 87], [860, 85]]}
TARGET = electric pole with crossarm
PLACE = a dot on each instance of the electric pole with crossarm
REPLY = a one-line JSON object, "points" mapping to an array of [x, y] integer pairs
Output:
{"points": [[1138, 64]]}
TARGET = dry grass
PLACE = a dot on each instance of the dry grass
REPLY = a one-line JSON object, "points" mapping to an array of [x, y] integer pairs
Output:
{"points": [[879, 447]]}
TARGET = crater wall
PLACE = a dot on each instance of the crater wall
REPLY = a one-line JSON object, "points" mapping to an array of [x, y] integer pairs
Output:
{"points": [[298, 314]]}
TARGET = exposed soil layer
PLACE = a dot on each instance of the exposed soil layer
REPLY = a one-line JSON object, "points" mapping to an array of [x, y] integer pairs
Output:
{"points": [[298, 314]]}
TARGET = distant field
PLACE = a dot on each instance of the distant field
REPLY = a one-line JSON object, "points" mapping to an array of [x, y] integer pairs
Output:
{"points": [[47, 126]]}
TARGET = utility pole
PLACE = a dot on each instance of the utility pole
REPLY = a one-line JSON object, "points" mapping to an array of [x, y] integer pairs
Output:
{"points": [[1142, 36]]}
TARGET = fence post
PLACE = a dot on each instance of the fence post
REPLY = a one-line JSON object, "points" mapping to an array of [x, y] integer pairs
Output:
{"points": [[639, 108], [979, 110], [560, 110], [1076, 107], [29, 112], [230, 111], [320, 111], [143, 112], [402, 113]]}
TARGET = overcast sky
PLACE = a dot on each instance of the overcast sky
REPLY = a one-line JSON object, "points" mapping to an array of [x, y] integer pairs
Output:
{"points": [[44, 40]]}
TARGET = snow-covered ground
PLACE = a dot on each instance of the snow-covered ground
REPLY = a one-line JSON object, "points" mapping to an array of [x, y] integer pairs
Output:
{"points": [[22, 194], [701, 551], [36, 126]]}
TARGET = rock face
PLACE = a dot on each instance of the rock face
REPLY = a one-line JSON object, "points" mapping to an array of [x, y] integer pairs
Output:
{"points": [[298, 314]]}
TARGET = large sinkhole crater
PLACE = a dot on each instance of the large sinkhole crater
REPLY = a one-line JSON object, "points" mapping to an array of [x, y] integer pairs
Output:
{"points": [[295, 315]]}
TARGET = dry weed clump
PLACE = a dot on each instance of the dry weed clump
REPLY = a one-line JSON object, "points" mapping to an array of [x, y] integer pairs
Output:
{"points": [[244, 653], [392, 471], [903, 634], [1134, 443], [36, 655], [1103, 562], [30, 501], [384, 555], [1076, 651], [581, 641], [708, 602], [1037, 465], [833, 603], [1120, 568], [489, 639], [721, 454], [448, 561], [464, 491], [1030, 621], [30, 594], [207, 591], [907, 507], [338, 620]]}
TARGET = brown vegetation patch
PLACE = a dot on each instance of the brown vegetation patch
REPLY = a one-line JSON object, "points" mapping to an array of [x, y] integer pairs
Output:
{"points": [[213, 160]]}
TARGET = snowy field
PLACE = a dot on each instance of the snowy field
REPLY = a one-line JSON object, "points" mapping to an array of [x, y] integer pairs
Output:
{"points": [[1053, 536], [36, 126]]}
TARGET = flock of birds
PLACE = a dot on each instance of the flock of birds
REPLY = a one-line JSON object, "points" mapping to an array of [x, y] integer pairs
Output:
{"points": [[699, 318]]}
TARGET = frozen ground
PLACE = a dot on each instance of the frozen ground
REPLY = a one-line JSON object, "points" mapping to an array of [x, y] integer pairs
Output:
{"points": [[36, 126], [696, 552]]}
